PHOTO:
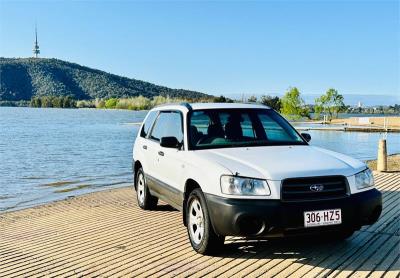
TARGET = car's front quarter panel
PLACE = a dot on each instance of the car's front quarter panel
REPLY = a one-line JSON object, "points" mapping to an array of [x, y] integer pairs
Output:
{"points": [[205, 172]]}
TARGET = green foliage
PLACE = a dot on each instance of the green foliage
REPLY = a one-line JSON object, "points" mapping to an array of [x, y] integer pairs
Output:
{"points": [[11, 103], [99, 103], [331, 103], [53, 101], [24, 78], [293, 105], [136, 103], [36, 102], [252, 99], [133, 103], [221, 99], [85, 104], [111, 103], [158, 100], [273, 102]]}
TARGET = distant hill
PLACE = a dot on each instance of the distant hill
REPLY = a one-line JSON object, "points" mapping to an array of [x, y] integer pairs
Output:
{"points": [[23, 78]]}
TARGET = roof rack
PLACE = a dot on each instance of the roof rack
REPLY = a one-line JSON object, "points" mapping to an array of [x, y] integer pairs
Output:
{"points": [[186, 104]]}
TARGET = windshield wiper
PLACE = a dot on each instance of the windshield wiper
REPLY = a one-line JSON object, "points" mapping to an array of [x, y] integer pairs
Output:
{"points": [[248, 144], [266, 143]]}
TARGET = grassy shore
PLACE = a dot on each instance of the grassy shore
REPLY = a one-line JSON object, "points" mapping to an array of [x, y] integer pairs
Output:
{"points": [[393, 163]]}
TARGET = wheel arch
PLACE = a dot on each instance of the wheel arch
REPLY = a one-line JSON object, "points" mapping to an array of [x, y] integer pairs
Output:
{"points": [[136, 166], [190, 185]]}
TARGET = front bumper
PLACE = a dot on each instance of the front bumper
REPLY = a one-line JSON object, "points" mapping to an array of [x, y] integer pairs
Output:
{"points": [[246, 217]]}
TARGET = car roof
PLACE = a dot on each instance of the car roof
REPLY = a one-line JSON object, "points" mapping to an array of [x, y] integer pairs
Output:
{"points": [[210, 105], [200, 106]]}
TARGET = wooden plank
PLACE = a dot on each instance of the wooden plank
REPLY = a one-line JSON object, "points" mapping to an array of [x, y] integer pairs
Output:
{"points": [[106, 234]]}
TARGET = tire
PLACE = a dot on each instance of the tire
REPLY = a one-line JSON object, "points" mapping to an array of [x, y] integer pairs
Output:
{"points": [[144, 198], [200, 231]]}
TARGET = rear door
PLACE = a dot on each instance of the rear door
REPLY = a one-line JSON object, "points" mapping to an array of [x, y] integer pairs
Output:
{"points": [[143, 143]]}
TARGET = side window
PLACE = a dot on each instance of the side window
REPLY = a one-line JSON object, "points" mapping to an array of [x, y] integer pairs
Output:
{"points": [[169, 123], [148, 123]]}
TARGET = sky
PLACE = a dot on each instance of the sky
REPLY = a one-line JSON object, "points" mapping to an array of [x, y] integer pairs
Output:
{"points": [[219, 47]]}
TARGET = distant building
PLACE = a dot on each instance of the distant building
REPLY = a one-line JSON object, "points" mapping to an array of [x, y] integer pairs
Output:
{"points": [[359, 105], [36, 50]]}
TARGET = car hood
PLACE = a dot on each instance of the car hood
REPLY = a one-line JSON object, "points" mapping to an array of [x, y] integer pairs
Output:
{"points": [[281, 162]]}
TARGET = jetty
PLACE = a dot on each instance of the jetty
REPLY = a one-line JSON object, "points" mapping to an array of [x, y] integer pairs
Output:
{"points": [[105, 234], [355, 124], [348, 128]]}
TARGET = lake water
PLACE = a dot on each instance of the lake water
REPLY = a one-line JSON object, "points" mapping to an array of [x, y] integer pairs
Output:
{"points": [[51, 154]]}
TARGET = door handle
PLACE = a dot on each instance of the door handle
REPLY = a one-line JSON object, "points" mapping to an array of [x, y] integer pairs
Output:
{"points": [[145, 147], [161, 153]]}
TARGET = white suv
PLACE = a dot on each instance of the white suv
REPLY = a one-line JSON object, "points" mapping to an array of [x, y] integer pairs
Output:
{"points": [[243, 170]]}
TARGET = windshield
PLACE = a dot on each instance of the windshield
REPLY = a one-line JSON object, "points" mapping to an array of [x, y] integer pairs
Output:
{"points": [[224, 128]]}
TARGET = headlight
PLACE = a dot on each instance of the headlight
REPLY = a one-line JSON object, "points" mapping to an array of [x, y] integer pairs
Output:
{"points": [[364, 179], [244, 186]]}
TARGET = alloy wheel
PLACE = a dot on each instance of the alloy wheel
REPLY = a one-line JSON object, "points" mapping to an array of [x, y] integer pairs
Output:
{"points": [[140, 188], [196, 221]]}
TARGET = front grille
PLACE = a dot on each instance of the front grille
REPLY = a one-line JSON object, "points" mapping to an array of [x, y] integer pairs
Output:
{"points": [[299, 189]]}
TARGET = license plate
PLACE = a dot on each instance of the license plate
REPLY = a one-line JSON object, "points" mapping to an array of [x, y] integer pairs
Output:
{"points": [[322, 217]]}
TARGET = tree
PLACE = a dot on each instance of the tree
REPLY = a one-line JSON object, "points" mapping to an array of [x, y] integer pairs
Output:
{"points": [[68, 102], [57, 102], [99, 103], [220, 99], [111, 103], [273, 102], [293, 105], [331, 103], [36, 102], [252, 99], [46, 101], [24, 78]]}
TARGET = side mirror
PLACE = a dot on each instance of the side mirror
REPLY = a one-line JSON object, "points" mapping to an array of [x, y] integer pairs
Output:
{"points": [[169, 142], [306, 137]]}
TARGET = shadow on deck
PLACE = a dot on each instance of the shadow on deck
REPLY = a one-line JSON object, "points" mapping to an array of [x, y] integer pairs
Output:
{"points": [[106, 234]]}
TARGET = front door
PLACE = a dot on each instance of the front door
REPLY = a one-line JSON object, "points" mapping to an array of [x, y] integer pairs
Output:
{"points": [[166, 177]]}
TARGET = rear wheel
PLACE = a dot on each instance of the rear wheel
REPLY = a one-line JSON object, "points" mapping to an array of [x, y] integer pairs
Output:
{"points": [[201, 234], [144, 198]]}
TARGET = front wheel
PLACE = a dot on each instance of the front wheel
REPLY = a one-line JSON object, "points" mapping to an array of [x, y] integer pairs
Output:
{"points": [[144, 198], [201, 234]]}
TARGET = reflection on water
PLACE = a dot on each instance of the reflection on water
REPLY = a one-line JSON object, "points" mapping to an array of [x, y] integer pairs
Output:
{"points": [[50, 154]]}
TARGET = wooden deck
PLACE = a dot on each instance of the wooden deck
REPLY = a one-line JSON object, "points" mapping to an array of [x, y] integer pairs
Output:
{"points": [[105, 234]]}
